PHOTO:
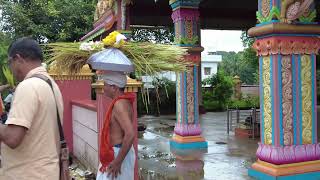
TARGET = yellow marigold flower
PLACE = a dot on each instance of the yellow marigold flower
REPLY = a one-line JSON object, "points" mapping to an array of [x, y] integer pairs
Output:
{"points": [[110, 40], [114, 33]]}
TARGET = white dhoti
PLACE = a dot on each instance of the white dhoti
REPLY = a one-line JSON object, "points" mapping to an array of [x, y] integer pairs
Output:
{"points": [[127, 167]]}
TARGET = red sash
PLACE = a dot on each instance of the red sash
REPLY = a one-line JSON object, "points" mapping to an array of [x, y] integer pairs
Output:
{"points": [[106, 150], [1, 106]]}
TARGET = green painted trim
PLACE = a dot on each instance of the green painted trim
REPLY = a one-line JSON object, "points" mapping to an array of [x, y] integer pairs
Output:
{"points": [[183, 40], [98, 33], [125, 31], [310, 18], [184, 3], [274, 13]]}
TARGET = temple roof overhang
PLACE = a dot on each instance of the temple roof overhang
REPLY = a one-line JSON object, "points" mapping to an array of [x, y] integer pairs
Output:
{"points": [[214, 14], [101, 26], [226, 14]]}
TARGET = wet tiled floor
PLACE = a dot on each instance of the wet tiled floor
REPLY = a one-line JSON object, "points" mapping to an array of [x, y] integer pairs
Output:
{"points": [[227, 157]]}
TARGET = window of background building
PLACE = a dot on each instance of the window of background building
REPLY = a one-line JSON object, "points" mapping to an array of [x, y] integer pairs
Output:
{"points": [[207, 71]]}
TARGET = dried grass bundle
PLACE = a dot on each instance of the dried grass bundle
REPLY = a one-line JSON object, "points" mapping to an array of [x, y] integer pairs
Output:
{"points": [[148, 58]]}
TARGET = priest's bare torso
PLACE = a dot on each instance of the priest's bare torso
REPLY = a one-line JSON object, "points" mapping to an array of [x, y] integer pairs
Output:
{"points": [[116, 128]]}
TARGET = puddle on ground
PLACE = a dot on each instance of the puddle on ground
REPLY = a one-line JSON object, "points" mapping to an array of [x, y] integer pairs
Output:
{"points": [[175, 165], [227, 157], [158, 156], [152, 175], [248, 162], [148, 135], [176, 175], [166, 131]]}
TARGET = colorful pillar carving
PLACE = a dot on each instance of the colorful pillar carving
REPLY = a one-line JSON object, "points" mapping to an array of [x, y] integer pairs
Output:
{"points": [[187, 32], [287, 44]]}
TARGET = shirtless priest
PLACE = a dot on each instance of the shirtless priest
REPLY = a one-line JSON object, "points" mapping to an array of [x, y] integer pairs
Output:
{"points": [[117, 156]]}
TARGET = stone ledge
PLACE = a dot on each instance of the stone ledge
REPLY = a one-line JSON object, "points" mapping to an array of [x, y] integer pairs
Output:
{"points": [[282, 28]]}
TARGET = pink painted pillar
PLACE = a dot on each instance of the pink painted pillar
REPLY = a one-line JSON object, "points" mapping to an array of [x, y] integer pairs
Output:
{"points": [[77, 87], [135, 127], [288, 148], [187, 130]]}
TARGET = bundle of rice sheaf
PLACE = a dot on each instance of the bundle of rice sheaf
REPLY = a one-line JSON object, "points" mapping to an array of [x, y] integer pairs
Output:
{"points": [[147, 58]]}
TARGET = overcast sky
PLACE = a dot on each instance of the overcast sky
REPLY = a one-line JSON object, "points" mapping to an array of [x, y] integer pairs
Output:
{"points": [[221, 40]]}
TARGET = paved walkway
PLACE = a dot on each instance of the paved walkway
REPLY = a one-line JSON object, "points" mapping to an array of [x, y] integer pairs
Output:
{"points": [[228, 157]]}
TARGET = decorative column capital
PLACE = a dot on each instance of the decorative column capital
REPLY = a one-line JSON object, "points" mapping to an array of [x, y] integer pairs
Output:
{"points": [[281, 28], [285, 39], [175, 4], [286, 11], [98, 86], [84, 74], [194, 55], [287, 45], [185, 15], [198, 49], [186, 23], [132, 85]]}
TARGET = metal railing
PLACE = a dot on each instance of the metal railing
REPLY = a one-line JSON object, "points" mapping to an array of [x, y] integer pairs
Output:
{"points": [[235, 116]]}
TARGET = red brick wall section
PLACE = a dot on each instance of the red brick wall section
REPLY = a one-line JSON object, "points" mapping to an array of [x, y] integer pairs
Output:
{"points": [[72, 90]]}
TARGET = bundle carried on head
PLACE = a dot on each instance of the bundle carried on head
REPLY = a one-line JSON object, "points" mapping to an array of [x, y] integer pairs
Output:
{"points": [[147, 58]]}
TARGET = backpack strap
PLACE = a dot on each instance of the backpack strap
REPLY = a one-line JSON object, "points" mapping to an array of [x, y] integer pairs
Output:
{"points": [[63, 143]]}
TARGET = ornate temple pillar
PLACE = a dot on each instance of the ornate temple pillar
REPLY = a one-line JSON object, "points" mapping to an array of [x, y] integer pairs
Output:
{"points": [[102, 105], [287, 43], [187, 131]]}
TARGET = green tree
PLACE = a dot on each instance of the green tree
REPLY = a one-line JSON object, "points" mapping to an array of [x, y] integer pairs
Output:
{"points": [[245, 64], [247, 41], [221, 91], [249, 66], [4, 43], [47, 20], [157, 35], [230, 63]]}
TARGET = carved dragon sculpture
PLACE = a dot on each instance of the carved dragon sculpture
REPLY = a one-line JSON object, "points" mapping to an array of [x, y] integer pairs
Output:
{"points": [[293, 9]]}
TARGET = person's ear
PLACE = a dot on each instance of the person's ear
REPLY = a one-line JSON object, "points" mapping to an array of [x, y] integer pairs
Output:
{"points": [[114, 87], [19, 58]]}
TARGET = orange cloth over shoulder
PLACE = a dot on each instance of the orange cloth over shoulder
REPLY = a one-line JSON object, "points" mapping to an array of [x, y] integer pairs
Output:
{"points": [[1, 106], [106, 155]]}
